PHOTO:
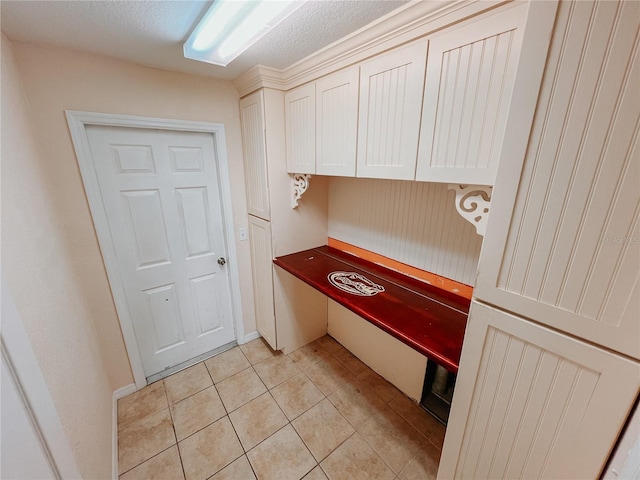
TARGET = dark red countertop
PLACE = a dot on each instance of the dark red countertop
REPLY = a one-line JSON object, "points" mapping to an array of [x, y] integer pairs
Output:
{"points": [[426, 318]]}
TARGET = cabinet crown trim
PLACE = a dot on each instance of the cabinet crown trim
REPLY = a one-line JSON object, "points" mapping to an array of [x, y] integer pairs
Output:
{"points": [[409, 22]]}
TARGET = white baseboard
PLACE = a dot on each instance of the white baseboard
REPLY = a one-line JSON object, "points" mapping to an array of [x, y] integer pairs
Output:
{"points": [[247, 338], [119, 393]]}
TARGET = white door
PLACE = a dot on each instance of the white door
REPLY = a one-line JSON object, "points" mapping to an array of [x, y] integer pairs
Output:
{"points": [[161, 197]]}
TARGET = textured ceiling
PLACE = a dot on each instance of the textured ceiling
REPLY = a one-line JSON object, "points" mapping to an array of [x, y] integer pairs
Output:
{"points": [[152, 32]]}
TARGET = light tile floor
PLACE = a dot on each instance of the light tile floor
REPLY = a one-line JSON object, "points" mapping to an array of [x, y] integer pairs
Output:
{"points": [[249, 413]]}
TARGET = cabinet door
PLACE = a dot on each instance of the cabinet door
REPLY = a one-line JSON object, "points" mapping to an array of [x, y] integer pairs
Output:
{"points": [[336, 123], [300, 115], [389, 113], [470, 75], [563, 239], [255, 156], [262, 268], [533, 403]]}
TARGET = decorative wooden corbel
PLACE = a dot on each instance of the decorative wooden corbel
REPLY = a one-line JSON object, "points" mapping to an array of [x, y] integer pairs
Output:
{"points": [[473, 203], [300, 183]]}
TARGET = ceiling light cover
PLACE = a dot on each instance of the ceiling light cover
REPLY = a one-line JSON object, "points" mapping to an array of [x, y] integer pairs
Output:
{"points": [[231, 26]]}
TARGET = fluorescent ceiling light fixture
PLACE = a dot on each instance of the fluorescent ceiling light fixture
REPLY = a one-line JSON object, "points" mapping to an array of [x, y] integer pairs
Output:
{"points": [[231, 26]]}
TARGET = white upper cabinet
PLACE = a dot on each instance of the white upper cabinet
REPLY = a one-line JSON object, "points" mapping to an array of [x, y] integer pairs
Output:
{"points": [[391, 88], [336, 123], [563, 240], [470, 76], [255, 156], [300, 115]]}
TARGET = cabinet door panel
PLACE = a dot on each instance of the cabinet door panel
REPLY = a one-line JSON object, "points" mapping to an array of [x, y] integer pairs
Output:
{"points": [[262, 267], [563, 240], [336, 123], [300, 115], [534, 403], [470, 75], [255, 156], [389, 113]]}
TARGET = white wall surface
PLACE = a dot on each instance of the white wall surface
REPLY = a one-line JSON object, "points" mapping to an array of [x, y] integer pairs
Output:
{"points": [[39, 270], [412, 222], [50, 253]]}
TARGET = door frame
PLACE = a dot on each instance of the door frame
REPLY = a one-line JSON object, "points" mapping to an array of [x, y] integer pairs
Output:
{"points": [[78, 121], [16, 350]]}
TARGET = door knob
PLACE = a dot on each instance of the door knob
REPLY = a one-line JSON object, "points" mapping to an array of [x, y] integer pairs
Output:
{"points": [[221, 261]]}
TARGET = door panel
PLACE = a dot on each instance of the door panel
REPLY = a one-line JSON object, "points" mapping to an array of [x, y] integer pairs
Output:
{"points": [[146, 226], [193, 211], [161, 195]]}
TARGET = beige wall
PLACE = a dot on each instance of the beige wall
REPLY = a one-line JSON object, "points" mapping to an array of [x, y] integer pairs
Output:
{"points": [[50, 253], [40, 272]]}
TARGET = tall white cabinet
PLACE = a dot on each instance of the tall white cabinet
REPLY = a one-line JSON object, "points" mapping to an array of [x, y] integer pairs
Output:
{"points": [[277, 229], [550, 371]]}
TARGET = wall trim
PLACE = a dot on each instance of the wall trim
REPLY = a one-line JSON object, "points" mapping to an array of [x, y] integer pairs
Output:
{"points": [[77, 122], [414, 20], [250, 337], [117, 394], [17, 352]]}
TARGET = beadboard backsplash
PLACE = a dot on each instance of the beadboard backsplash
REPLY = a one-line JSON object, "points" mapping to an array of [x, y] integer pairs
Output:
{"points": [[412, 222]]}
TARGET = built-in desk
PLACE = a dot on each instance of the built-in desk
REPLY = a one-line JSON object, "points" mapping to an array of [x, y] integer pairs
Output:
{"points": [[427, 319]]}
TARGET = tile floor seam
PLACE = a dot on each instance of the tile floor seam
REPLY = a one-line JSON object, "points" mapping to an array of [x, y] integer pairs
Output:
{"points": [[193, 394], [265, 439], [274, 433], [234, 460], [372, 419], [209, 371], [199, 430], [184, 472], [218, 471], [153, 456], [333, 450]]}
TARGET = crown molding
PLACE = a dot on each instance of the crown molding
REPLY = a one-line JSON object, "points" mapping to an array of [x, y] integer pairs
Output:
{"points": [[414, 20], [258, 77]]}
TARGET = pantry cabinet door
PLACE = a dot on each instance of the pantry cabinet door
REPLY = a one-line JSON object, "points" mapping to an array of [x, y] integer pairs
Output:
{"points": [[262, 267], [300, 117], [389, 112], [470, 76], [255, 154], [563, 239], [534, 403], [336, 123]]}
